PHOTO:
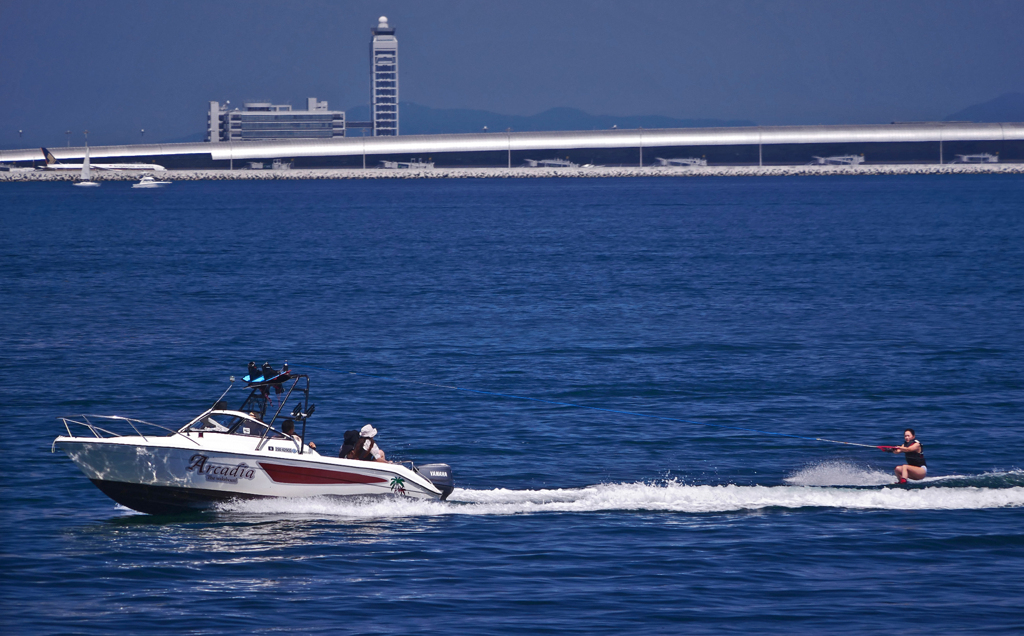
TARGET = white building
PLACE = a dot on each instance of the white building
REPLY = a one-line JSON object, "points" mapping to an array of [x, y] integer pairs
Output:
{"points": [[384, 80], [263, 121]]}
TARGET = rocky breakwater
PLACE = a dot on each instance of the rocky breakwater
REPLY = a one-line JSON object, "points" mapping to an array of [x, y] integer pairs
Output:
{"points": [[533, 173]]}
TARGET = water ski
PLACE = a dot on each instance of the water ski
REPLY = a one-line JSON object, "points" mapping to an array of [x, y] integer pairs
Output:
{"points": [[266, 375], [277, 379]]}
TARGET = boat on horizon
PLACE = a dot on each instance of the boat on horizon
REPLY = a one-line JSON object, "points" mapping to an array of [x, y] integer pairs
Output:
{"points": [[85, 180], [148, 181], [226, 454]]}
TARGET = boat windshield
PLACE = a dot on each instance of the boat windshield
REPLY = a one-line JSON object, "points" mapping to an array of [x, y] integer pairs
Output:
{"points": [[214, 422], [234, 423], [250, 428]]}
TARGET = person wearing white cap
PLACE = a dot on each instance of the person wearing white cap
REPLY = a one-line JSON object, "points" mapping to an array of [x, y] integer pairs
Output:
{"points": [[366, 448]]}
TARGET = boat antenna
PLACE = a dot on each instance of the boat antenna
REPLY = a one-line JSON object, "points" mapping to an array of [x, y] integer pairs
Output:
{"points": [[230, 386], [594, 408]]}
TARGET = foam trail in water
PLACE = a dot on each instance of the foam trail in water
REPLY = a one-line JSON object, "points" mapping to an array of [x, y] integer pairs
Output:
{"points": [[667, 497], [839, 473]]}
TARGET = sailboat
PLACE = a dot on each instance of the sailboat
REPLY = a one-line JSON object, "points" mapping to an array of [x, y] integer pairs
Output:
{"points": [[86, 172]]}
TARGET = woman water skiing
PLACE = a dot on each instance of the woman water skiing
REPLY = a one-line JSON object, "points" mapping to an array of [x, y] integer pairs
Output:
{"points": [[915, 467]]}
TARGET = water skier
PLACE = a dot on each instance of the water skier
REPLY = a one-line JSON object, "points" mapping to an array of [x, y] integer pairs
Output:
{"points": [[915, 467]]}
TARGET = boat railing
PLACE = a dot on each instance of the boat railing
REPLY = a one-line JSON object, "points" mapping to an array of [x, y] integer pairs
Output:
{"points": [[102, 433]]}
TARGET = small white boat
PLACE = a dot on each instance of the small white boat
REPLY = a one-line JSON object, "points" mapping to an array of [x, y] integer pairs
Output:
{"points": [[149, 182], [226, 454], [86, 178]]}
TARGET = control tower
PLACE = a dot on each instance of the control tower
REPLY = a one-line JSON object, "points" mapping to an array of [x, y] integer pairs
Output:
{"points": [[384, 80]]}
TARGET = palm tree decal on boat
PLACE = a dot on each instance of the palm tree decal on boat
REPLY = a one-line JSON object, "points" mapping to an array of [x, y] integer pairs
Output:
{"points": [[398, 485]]}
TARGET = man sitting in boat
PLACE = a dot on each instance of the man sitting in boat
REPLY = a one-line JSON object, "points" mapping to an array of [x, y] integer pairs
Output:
{"points": [[288, 428], [366, 449]]}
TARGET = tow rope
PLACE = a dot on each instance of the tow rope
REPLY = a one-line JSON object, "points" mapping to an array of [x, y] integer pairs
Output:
{"points": [[591, 408]]}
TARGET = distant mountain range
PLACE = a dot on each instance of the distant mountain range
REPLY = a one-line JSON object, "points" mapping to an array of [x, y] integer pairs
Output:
{"points": [[1008, 107], [415, 119]]}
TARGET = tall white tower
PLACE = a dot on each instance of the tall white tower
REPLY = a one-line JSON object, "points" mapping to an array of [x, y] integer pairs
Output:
{"points": [[384, 80]]}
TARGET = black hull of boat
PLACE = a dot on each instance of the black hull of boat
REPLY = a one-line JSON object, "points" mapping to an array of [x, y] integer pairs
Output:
{"points": [[164, 500]]}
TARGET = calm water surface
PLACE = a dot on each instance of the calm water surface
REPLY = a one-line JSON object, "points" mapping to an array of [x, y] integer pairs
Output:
{"points": [[844, 308]]}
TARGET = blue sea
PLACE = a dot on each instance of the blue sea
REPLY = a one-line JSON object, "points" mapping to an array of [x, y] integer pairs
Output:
{"points": [[846, 308]]}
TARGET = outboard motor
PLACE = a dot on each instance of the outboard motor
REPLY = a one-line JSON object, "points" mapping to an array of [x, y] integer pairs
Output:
{"points": [[440, 475]]}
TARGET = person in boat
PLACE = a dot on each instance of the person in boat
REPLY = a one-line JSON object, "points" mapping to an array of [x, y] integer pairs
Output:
{"points": [[288, 428], [366, 448], [351, 439], [915, 467]]}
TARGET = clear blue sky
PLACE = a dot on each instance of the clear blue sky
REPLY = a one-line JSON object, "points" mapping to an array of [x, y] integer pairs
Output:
{"points": [[114, 66]]}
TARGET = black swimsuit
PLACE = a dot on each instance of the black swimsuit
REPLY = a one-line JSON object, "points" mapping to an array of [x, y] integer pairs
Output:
{"points": [[915, 459]]}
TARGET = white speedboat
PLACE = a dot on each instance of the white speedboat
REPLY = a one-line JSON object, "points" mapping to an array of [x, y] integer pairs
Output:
{"points": [[150, 182], [225, 454]]}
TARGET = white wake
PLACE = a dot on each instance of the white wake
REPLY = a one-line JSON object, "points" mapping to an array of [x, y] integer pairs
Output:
{"points": [[839, 473], [665, 497]]}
